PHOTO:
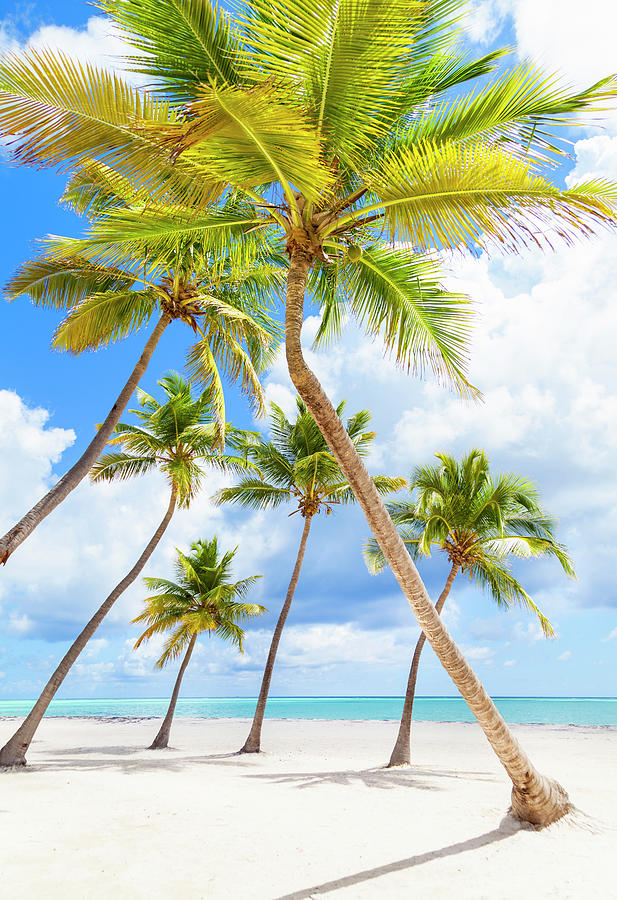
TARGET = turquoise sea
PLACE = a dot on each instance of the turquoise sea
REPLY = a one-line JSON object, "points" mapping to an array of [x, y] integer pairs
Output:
{"points": [[523, 710]]}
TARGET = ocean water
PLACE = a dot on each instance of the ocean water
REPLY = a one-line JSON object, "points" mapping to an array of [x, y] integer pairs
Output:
{"points": [[523, 710]]}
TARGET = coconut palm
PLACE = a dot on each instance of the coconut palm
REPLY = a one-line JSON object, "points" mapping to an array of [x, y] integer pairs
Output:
{"points": [[179, 438], [333, 119], [222, 295], [296, 466], [203, 599], [479, 521]]}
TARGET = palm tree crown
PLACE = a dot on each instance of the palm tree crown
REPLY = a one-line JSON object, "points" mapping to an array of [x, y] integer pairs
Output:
{"points": [[296, 465], [478, 521], [179, 437], [203, 598], [223, 293]]}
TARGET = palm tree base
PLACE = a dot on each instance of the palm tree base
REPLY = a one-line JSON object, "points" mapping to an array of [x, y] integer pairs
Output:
{"points": [[401, 756], [250, 747], [548, 804], [10, 757], [162, 746]]}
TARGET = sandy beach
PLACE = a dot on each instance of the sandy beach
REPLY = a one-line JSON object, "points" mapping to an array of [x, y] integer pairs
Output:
{"points": [[95, 815]]}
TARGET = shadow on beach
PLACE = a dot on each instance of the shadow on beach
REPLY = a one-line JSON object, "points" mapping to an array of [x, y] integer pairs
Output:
{"points": [[380, 777], [507, 828]]}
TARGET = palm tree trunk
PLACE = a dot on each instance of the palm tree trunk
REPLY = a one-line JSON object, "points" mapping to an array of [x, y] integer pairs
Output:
{"points": [[53, 498], [14, 751], [535, 798], [401, 754], [162, 739], [253, 741]]}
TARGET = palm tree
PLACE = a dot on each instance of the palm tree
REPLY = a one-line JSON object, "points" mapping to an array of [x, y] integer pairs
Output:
{"points": [[202, 599], [223, 296], [337, 122], [297, 466], [479, 521], [179, 438]]}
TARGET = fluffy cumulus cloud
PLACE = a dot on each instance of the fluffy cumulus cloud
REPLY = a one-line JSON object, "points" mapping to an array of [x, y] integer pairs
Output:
{"points": [[98, 42]]}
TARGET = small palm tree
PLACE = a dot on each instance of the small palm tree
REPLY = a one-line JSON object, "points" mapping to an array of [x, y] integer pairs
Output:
{"points": [[202, 599], [179, 438], [297, 466], [221, 293], [478, 521]]}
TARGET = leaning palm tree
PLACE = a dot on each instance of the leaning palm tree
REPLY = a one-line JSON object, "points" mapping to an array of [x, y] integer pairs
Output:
{"points": [[179, 438], [479, 521], [337, 121], [222, 294], [296, 466], [203, 599]]}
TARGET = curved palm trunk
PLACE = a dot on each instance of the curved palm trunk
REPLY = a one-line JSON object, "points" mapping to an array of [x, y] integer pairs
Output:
{"points": [[53, 498], [14, 751], [401, 754], [162, 739], [253, 741], [535, 798]]}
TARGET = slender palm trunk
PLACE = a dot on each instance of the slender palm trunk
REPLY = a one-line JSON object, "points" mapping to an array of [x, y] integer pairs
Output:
{"points": [[14, 751], [535, 798], [162, 739], [53, 498], [253, 741], [401, 754]]}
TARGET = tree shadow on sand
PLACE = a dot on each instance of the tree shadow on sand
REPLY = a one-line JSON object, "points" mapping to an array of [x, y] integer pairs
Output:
{"points": [[383, 778], [507, 827]]}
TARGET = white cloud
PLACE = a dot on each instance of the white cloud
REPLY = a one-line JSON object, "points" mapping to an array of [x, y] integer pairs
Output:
{"points": [[567, 36], [19, 624], [99, 42], [612, 636], [509, 663], [478, 654], [564, 657]]}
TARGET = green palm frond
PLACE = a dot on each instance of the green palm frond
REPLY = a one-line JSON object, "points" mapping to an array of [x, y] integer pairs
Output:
{"points": [[102, 318], [254, 494], [119, 466], [398, 296], [474, 193], [521, 110], [181, 43], [248, 138], [63, 282], [59, 112]]}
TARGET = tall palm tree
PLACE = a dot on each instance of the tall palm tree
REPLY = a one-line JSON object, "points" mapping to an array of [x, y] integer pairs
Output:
{"points": [[203, 599], [297, 466], [179, 438], [479, 521], [333, 119], [222, 295]]}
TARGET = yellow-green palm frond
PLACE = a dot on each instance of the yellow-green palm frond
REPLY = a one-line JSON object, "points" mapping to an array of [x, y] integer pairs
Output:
{"points": [[398, 296], [121, 466], [350, 69], [521, 109], [59, 112], [181, 43], [249, 138], [102, 318], [62, 282], [474, 193]]}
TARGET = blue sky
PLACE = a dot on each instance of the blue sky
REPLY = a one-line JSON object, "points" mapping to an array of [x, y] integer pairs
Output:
{"points": [[543, 356]]}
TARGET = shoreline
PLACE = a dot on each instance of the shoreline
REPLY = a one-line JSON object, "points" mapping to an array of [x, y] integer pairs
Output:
{"points": [[247, 720]]}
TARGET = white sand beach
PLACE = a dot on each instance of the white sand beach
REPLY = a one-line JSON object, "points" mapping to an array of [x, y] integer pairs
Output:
{"points": [[95, 815]]}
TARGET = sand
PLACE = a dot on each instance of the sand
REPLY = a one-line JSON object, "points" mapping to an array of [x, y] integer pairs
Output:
{"points": [[95, 815]]}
